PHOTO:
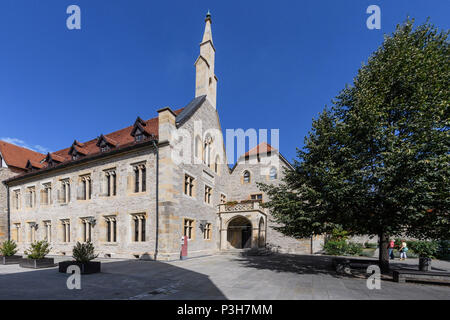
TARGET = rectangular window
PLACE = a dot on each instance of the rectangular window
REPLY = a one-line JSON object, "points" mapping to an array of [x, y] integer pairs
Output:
{"points": [[16, 232], [257, 196], [46, 194], [207, 231], [66, 230], [144, 178], [139, 227], [208, 192], [65, 191], [31, 197], [32, 231], [188, 185], [48, 231], [86, 188], [87, 229], [136, 179], [16, 199], [188, 228], [111, 232], [111, 183]]}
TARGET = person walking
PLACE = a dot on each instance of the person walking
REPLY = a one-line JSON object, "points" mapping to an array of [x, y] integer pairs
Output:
{"points": [[403, 250], [391, 246]]}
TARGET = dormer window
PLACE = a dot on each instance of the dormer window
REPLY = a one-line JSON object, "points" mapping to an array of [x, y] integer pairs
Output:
{"points": [[105, 144], [139, 137], [139, 131]]}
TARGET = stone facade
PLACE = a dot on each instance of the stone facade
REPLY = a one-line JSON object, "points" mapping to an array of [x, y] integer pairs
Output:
{"points": [[188, 189], [5, 173]]}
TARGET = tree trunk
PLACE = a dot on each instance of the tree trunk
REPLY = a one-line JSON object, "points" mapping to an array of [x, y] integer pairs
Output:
{"points": [[383, 257]]}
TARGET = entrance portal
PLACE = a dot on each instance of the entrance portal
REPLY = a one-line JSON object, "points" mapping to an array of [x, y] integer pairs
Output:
{"points": [[239, 233]]}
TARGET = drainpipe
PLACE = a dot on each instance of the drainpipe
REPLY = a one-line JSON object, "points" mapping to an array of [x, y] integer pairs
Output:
{"points": [[157, 198], [8, 212]]}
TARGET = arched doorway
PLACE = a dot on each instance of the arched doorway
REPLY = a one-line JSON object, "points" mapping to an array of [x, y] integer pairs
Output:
{"points": [[261, 234], [239, 233]]}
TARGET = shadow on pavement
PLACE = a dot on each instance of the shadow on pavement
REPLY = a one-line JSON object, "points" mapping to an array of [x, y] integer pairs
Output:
{"points": [[131, 279]]}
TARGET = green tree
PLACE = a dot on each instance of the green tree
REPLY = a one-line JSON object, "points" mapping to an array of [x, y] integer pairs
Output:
{"points": [[377, 161]]}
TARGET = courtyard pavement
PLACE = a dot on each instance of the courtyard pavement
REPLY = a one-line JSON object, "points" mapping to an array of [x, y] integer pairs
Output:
{"points": [[271, 277]]}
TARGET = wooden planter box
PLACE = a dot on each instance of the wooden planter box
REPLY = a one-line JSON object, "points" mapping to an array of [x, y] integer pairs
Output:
{"points": [[37, 263], [86, 268], [10, 259]]}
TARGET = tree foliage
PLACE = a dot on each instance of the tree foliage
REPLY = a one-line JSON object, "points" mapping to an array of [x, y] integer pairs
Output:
{"points": [[377, 161], [84, 252]]}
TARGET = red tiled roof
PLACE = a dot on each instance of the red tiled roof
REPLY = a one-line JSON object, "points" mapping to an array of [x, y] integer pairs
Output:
{"points": [[263, 147], [18, 157], [117, 138]]}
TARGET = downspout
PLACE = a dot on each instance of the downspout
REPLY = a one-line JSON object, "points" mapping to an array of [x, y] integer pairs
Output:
{"points": [[157, 199], [8, 212]]}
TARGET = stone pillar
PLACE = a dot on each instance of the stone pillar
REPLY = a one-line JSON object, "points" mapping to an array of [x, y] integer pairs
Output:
{"points": [[170, 229]]}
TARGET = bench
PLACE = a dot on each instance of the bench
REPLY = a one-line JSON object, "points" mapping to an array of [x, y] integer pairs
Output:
{"points": [[344, 265], [402, 275]]}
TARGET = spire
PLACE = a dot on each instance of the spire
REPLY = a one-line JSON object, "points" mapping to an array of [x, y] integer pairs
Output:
{"points": [[206, 81]]}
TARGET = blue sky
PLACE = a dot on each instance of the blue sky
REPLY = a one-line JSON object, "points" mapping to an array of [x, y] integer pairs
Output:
{"points": [[278, 62]]}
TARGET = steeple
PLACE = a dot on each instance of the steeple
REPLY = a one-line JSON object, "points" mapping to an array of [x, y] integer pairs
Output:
{"points": [[205, 79]]}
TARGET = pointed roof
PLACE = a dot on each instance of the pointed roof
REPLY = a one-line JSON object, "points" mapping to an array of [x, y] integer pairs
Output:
{"points": [[207, 35], [17, 157], [262, 148]]}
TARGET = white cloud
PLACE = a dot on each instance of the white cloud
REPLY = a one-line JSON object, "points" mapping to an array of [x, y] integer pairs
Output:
{"points": [[21, 143]]}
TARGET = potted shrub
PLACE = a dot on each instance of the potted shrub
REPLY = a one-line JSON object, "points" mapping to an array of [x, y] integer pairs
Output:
{"points": [[36, 256], [83, 253], [426, 251], [8, 251]]}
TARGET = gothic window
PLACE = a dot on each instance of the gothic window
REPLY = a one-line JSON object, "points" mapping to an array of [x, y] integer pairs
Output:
{"points": [[273, 174], [64, 193], [246, 177], [223, 198], [16, 199], [198, 147], [207, 147]]}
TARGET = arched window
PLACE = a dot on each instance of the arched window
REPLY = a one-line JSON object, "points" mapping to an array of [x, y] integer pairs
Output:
{"points": [[246, 177], [273, 173], [207, 151]]}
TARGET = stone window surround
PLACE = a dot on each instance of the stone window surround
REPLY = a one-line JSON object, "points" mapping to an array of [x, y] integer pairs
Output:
{"points": [[17, 199], [141, 184], [66, 237], [249, 177], [48, 230], [207, 231], [141, 227], [85, 181], [47, 191], [111, 182], [31, 197], [87, 228], [211, 194], [65, 188], [194, 188], [17, 232], [191, 226], [111, 229]]}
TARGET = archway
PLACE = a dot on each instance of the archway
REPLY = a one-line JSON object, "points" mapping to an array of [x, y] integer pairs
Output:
{"points": [[239, 233], [261, 234]]}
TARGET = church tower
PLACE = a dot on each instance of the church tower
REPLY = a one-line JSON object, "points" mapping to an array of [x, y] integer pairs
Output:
{"points": [[205, 79]]}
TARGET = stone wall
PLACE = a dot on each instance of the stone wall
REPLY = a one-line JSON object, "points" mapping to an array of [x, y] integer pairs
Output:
{"points": [[5, 173], [123, 207]]}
